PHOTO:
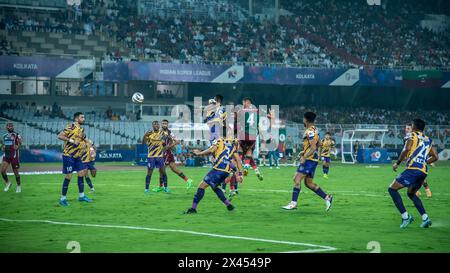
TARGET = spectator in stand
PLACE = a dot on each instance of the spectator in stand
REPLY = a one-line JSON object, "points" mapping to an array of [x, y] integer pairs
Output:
{"points": [[37, 114], [109, 113]]}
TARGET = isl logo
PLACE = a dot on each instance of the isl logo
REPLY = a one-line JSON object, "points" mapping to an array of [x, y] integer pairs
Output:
{"points": [[374, 2], [375, 156], [232, 74]]}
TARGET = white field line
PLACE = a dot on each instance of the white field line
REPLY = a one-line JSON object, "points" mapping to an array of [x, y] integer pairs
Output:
{"points": [[316, 248], [74, 173]]}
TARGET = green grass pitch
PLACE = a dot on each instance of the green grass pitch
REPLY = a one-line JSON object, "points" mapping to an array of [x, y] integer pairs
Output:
{"points": [[123, 219]]}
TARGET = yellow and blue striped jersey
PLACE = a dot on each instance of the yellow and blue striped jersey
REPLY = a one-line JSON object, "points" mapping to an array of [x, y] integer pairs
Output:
{"points": [[224, 154], [311, 134], [155, 141], [216, 114], [86, 154], [75, 132], [418, 155], [327, 145]]}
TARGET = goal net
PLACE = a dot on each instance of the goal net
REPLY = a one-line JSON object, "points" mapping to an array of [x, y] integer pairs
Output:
{"points": [[359, 138]]}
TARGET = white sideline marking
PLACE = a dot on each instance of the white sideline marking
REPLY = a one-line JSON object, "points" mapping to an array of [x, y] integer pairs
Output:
{"points": [[318, 248], [60, 172], [37, 173]]}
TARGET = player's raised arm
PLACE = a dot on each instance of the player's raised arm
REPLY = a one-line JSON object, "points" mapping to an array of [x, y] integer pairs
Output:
{"points": [[433, 156], [206, 152]]}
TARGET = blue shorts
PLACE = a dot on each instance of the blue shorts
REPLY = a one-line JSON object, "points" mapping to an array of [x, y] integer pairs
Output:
{"points": [[155, 163], [215, 177], [411, 178], [326, 159], [71, 164], [89, 165], [308, 168]]}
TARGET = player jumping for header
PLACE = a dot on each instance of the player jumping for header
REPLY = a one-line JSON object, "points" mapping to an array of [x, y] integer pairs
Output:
{"points": [[247, 129], [309, 158], [419, 153]]}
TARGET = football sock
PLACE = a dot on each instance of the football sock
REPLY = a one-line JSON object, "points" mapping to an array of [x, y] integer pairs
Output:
{"points": [[221, 196], [247, 160], [65, 187], [89, 182], [321, 193], [165, 180], [295, 193], [5, 177], [326, 169], [18, 180], [198, 197], [397, 200], [224, 185], [184, 177], [161, 181], [81, 185], [253, 164], [147, 181], [424, 216], [405, 215], [417, 203]]}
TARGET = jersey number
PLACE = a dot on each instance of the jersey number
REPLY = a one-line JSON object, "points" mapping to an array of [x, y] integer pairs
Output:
{"points": [[251, 119], [422, 156]]}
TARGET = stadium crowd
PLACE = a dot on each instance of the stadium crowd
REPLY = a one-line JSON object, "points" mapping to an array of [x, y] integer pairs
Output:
{"points": [[363, 115], [389, 36]]}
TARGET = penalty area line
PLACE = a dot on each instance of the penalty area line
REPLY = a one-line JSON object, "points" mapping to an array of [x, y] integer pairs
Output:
{"points": [[315, 248]]}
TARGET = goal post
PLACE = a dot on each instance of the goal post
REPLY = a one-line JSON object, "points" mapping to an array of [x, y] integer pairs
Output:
{"points": [[363, 136]]}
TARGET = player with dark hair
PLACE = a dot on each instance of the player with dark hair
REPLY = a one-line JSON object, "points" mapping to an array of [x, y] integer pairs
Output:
{"points": [[419, 153], [74, 146], [223, 150], [408, 131], [247, 130], [309, 158], [169, 159], [326, 145], [10, 145], [155, 139]]}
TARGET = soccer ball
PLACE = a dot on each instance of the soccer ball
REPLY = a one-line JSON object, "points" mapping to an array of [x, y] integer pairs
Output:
{"points": [[137, 98]]}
